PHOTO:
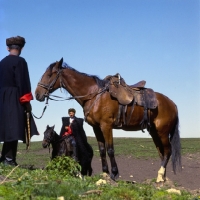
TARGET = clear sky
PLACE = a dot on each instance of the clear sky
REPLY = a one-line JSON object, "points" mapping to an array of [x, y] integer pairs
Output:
{"points": [[153, 40]]}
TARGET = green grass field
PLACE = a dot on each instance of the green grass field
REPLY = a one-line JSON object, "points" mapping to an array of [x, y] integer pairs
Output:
{"points": [[39, 184], [136, 147]]}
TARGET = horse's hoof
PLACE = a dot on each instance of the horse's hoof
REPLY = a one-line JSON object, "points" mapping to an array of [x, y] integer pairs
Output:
{"points": [[160, 184], [114, 177]]}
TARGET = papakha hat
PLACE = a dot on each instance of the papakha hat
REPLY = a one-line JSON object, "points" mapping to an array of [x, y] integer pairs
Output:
{"points": [[72, 110], [20, 41]]}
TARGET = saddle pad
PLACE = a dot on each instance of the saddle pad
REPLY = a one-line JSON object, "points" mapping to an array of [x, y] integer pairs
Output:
{"points": [[146, 98]]}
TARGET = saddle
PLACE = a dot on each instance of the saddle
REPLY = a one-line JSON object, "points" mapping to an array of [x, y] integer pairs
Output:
{"points": [[126, 94], [66, 143]]}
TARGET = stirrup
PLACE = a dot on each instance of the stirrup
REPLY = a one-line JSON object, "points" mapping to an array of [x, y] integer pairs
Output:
{"points": [[75, 158]]}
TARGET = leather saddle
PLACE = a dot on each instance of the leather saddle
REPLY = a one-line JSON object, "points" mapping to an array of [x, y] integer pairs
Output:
{"points": [[126, 94]]}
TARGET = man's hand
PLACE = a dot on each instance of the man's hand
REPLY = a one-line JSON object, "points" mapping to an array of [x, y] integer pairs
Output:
{"points": [[28, 107]]}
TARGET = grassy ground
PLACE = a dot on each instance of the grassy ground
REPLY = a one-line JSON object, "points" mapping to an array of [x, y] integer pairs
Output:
{"points": [[136, 147], [39, 184]]}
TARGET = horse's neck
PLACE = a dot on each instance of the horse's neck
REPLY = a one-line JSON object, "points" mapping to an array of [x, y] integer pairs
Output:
{"points": [[55, 142], [78, 84], [55, 139]]}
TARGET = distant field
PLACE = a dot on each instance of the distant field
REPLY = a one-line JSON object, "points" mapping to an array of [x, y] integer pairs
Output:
{"points": [[136, 147], [144, 147]]}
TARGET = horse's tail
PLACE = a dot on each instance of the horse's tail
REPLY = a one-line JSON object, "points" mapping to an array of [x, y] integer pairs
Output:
{"points": [[176, 147]]}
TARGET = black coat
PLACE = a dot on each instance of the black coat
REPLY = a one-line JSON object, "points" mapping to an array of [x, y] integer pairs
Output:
{"points": [[14, 83], [77, 124], [84, 149]]}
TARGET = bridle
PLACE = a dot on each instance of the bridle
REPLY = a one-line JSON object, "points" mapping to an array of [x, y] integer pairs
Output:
{"points": [[50, 137], [50, 87]]}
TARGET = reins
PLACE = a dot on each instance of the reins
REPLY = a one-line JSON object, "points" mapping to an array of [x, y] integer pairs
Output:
{"points": [[42, 111], [50, 87], [52, 140]]}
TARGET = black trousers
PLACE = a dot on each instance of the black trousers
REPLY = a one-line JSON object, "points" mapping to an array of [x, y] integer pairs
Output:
{"points": [[9, 150]]}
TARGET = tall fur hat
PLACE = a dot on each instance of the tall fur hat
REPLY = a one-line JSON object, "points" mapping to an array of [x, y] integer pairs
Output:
{"points": [[72, 110], [20, 41]]}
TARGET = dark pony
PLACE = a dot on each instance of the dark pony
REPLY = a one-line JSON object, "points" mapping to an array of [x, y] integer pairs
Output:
{"points": [[101, 110], [62, 146]]}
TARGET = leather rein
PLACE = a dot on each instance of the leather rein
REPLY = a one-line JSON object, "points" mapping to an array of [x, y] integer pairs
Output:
{"points": [[50, 87]]}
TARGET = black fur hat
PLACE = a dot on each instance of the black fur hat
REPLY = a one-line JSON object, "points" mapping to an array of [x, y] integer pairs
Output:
{"points": [[20, 41], [72, 110]]}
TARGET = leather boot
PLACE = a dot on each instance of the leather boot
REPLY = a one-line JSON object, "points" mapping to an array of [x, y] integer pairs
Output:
{"points": [[74, 155]]}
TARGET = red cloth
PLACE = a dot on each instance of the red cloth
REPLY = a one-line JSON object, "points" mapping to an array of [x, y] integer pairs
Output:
{"points": [[68, 132], [26, 98]]}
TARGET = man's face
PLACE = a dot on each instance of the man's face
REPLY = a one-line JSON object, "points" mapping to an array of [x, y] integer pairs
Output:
{"points": [[71, 114]]}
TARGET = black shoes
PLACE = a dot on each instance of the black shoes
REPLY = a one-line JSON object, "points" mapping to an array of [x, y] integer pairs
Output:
{"points": [[11, 163]]}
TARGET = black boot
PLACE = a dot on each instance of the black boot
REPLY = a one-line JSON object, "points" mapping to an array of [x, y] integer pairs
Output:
{"points": [[74, 155], [11, 162]]}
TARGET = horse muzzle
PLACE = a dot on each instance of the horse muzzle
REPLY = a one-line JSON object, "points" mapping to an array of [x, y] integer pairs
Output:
{"points": [[40, 97], [45, 144]]}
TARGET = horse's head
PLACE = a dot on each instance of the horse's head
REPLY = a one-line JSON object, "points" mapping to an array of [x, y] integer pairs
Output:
{"points": [[50, 81], [49, 136]]}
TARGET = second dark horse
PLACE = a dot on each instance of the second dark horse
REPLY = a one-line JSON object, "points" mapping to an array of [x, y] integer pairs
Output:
{"points": [[61, 146]]}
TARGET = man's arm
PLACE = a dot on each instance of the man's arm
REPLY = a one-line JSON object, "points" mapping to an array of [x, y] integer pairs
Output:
{"points": [[65, 122]]}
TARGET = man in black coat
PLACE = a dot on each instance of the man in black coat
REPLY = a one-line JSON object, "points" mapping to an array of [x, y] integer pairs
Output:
{"points": [[74, 126], [15, 97]]}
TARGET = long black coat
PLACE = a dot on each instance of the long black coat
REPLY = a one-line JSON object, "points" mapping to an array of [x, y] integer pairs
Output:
{"points": [[14, 84], [84, 149]]}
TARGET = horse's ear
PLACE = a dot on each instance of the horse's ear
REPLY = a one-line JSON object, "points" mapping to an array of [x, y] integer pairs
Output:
{"points": [[60, 63], [53, 126], [47, 126]]}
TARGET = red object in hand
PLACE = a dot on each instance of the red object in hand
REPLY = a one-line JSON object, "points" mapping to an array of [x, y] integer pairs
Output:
{"points": [[68, 132], [26, 98]]}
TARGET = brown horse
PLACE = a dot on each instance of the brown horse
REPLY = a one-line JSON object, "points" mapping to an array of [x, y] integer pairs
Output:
{"points": [[101, 112]]}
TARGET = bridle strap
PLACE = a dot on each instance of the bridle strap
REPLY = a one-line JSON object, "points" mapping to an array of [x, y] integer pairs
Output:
{"points": [[51, 85], [42, 113]]}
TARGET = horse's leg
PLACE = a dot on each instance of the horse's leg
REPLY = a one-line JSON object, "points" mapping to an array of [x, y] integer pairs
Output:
{"points": [[102, 149], [165, 155], [107, 132], [163, 146]]}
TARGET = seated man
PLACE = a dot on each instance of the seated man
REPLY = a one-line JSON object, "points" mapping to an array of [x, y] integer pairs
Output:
{"points": [[82, 150], [69, 128]]}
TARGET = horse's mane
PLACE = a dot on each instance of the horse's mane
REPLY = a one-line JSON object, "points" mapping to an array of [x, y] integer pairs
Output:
{"points": [[100, 82]]}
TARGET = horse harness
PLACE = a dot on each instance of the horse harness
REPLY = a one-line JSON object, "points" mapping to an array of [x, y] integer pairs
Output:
{"points": [[50, 139], [135, 94]]}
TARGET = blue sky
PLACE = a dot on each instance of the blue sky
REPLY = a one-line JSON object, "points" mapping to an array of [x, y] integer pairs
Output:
{"points": [[153, 40]]}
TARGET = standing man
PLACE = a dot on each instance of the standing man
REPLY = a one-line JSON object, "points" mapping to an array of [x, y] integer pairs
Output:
{"points": [[15, 97]]}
